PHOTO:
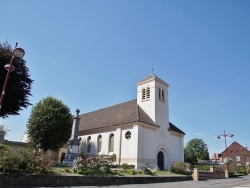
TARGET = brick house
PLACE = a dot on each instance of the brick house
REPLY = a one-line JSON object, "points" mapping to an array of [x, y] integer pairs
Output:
{"points": [[238, 153]]}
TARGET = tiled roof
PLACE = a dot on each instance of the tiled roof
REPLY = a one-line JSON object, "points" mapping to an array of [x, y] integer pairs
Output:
{"points": [[172, 127], [127, 112], [123, 113]]}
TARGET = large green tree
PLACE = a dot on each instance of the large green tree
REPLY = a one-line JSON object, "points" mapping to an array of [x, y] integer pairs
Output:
{"points": [[195, 150], [49, 125], [19, 83]]}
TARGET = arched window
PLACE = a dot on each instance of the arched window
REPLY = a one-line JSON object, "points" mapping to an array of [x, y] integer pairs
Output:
{"points": [[148, 92], [111, 143], [162, 95], [159, 93], [143, 94], [99, 143], [88, 144]]}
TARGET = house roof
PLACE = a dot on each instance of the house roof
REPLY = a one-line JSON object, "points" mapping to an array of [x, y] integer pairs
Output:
{"points": [[152, 77], [14, 142], [235, 144], [127, 112]]}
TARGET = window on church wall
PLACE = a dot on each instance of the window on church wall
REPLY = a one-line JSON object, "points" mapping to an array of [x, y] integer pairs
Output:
{"points": [[162, 95], [88, 144], [111, 143], [99, 143], [148, 93], [159, 93], [143, 94]]}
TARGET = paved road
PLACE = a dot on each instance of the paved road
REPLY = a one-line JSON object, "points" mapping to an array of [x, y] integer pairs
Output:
{"points": [[239, 182]]}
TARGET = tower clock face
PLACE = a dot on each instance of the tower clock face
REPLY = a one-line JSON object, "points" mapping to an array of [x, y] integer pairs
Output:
{"points": [[162, 133]]}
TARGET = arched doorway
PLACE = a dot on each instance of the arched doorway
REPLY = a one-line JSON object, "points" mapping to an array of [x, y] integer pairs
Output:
{"points": [[160, 160]]}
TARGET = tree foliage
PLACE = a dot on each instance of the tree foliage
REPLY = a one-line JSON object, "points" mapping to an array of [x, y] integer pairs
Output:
{"points": [[19, 83], [3, 132], [49, 125], [195, 150]]}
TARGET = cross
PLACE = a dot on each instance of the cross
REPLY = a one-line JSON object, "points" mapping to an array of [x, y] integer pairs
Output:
{"points": [[152, 70], [77, 112]]}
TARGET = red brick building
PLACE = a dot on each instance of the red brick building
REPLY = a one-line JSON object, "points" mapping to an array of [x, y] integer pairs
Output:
{"points": [[238, 153]]}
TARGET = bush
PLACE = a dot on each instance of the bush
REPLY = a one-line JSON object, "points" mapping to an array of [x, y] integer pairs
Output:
{"points": [[131, 171], [202, 167], [25, 161], [123, 166], [93, 165], [238, 170], [146, 169], [219, 168], [179, 167], [3, 147]]}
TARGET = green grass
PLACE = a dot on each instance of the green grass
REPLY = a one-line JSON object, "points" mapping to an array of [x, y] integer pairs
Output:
{"points": [[66, 171]]}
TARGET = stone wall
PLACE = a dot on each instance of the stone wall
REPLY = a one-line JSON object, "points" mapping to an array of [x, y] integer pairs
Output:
{"points": [[55, 181]]}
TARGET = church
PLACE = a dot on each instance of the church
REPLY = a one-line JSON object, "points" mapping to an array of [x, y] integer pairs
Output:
{"points": [[138, 132]]}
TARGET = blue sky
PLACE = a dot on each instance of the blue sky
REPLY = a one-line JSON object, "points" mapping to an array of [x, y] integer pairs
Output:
{"points": [[91, 54]]}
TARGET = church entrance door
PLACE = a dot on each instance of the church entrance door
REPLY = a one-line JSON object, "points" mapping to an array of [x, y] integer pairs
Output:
{"points": [[160, 160]]}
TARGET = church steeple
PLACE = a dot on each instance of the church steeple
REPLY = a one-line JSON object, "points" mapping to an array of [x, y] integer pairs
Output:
{"points": [[152, 97]]}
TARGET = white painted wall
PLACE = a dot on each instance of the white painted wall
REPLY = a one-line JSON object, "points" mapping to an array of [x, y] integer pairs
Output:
{"points": [[145, 142]]}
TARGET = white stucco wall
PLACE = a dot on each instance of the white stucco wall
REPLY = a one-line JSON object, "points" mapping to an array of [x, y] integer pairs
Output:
{"points": [[146, 140], [151, 142]]}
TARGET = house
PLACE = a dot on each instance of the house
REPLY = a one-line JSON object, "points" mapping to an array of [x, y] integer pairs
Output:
{"points": [[238, 153], [138, 132], [16, 145]]}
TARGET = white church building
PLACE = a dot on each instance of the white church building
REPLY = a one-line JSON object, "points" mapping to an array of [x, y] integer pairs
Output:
{"points": [[138, 132]]}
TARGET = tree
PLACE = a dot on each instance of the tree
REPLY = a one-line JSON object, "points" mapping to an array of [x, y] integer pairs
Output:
{"points": [[49, 125], [196, 150], [19, 84], [3, 132]]}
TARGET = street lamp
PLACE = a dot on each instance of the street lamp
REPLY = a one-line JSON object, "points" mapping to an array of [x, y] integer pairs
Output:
{"points": [[225, 135], [19, 53]]}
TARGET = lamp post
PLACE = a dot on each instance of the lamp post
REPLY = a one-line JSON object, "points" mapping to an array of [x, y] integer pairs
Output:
{"points": [[225, 137], [19, 53]]}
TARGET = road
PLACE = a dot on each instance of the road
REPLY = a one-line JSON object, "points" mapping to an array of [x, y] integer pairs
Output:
{"points": [[239, 182]]}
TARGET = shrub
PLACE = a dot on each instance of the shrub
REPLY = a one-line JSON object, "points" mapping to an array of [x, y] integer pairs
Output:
{"points": [[131, 171], [238, 170], [202, 167], [127, 166], [4, 147], [241, 170], [25, 161], [146, 169], [219, 168], [179, 167], [93, 165]]}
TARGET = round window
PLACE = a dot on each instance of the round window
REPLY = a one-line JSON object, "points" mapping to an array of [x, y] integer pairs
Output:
{"points": [[128, 135]]}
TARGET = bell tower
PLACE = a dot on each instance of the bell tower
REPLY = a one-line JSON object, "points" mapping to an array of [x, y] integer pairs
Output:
{"points": [[152, 97]]}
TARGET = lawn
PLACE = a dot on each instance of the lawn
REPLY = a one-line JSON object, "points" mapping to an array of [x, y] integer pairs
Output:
{"points": [[66, 171]]}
